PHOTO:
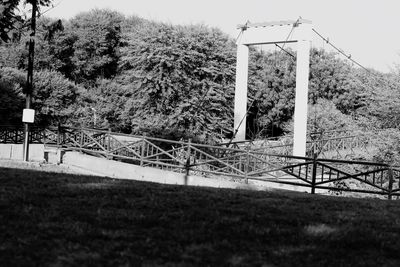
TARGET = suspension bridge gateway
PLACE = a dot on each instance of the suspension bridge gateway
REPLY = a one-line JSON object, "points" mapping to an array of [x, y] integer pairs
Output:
{"points": [[299, 32]]}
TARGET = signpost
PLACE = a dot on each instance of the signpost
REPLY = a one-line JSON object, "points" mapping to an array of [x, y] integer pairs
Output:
{"points": [[28, 113]]}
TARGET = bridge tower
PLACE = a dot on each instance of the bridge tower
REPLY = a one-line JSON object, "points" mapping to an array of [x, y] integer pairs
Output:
{"points": [[277, 32]]}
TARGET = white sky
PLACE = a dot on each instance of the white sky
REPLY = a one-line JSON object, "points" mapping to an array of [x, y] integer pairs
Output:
{"points": [[366, 29]]}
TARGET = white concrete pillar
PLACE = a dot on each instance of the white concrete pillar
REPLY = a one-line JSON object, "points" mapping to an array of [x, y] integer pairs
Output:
{"points": [[242, 69], [300, 109]]}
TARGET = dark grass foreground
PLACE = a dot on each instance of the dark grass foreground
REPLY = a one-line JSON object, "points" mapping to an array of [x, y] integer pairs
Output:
{"points": [[50, 219]]}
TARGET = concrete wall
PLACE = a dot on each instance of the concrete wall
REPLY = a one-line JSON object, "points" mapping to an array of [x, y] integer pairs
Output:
{"points": [[15, 152], [86, 164], [114, 169]]}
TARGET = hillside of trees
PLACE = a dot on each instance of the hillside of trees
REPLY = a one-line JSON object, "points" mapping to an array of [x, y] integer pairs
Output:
{"points": [[105, 70]]}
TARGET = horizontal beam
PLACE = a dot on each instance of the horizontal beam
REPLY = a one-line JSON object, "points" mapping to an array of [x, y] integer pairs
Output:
{"points": [[261, 42], [272, 23], [280, 32]]}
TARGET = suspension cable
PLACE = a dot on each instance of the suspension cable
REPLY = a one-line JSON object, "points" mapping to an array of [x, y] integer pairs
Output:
{"points": [[348, 56], [51, 8], [244, 116], [286, 51], [242, 29], [295, 24]]}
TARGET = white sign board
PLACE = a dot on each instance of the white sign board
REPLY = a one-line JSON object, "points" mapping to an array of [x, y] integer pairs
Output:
{"points": [[28, 115]]}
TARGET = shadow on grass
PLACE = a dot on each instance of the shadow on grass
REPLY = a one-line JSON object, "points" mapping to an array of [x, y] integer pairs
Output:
{"points": [[62, 219]]}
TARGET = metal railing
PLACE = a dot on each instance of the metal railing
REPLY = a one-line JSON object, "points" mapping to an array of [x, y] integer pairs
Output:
{"points": [[15, 134], [331, 145], [242, 163]]}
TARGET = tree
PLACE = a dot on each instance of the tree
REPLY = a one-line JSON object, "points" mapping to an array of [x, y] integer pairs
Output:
{"points": [[334, 79], [53, 48], [11, 97], [384, 104], [96, 48], [271, 91], [54, 98], [102, 106], [10, 20], [272, 83], [184, 79], [13, 54], [323, 117], [385, 146]]}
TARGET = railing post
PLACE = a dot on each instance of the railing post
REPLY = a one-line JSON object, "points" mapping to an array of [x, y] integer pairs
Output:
{"points": [[16, 135], [109, 139], [63, 136], [187, 163], [109, 155], [43, 138], [390, 183], [58, 135], [142, 150], [246, 167], [82, 140], [314, 173]]}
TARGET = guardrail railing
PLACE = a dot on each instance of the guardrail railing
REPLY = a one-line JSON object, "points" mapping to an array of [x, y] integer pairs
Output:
{"points": [[331, 145], [245, 164]]}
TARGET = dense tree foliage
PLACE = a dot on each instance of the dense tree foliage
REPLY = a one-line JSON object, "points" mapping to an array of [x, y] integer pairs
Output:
{"points": [[325, 117], [386, 146], [96, 46], [54, 97], [184, 81], [272, 84], [11, 98]]}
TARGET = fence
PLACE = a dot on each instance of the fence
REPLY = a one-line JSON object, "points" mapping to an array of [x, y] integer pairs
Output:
{"points": [[330, 145], [242, 163]]}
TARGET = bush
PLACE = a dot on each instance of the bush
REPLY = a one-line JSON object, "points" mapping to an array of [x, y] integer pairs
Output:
{"points": [[324, 117], [386, 146]]}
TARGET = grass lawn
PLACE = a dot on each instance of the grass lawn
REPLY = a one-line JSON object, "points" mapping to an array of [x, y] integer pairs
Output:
{"points": [[61, 219]]}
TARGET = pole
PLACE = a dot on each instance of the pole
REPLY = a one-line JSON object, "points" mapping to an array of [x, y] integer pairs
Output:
{"points": [[390, 189], [240, 108], [29, 80], [314, 173], [187, 163], [301, 99]]}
